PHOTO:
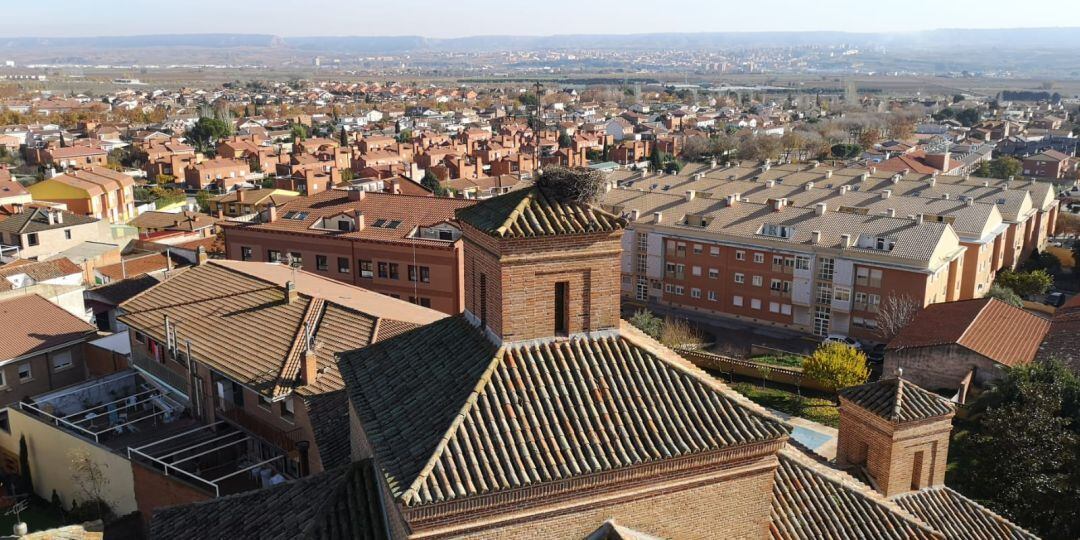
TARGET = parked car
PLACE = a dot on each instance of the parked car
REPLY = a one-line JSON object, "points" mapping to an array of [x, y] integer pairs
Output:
{"points": [[840, 338], [1056, 299]]}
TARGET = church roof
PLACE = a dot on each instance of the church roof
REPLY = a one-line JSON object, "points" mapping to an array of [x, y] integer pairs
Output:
{"points": [[451, 415], [535, 212]]}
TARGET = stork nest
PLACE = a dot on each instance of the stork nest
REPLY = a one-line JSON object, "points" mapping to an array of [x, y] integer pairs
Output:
{"points": [[579, 184]]}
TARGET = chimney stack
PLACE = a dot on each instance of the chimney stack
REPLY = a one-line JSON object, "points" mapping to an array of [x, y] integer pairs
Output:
{"points": [[945, 196], [635, 214], [658, 217], [200, 256], [886, 193], [690, 194], [809, 186], [358, 217], [240, 195], [59, 215], [820, 208], [770, 183], [291, 294], [271, 213], [828, 173], [969, 201], [356, 195], [50, 214], [845, 240], [309, 367], [918, 219], [815, 237], [777, 204], [891, 212]]}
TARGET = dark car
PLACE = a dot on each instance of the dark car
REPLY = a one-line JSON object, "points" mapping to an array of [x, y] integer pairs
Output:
{"points": [[1055, 299]]}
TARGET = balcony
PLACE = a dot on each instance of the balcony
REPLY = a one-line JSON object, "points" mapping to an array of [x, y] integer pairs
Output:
{"points": [[160, 371], [8, 254]]}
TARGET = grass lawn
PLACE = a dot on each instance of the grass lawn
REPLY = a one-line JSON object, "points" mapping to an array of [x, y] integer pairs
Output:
{"points": [[820, 410], [787, 360], [38, 517]]}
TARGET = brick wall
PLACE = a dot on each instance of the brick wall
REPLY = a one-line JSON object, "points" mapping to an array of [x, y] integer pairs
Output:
{"points": [[154, 490], [521, 274], [941, 367], [736, 507]]}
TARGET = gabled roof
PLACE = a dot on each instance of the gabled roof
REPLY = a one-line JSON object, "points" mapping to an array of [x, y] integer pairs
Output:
{"points": [[957, 516], [37, 270], [35, 219], [1062, 341], [534, 212], [451, 415], [174, 221], [236, 317], [339, 504], [1003, 333], [32, 324], [898, 400]]}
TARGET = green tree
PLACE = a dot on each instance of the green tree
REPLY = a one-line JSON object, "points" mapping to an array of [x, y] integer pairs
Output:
{"points": [[648, 323], [1020, 452], [565, 141], [1005, 294], [1025, 283], [206, 132], [24, 467], [837, 366], [343, 138], [202, 198], [1005, 167], [431, 182], [347, 175], [968, 117], [656, 161], [299, 132]]}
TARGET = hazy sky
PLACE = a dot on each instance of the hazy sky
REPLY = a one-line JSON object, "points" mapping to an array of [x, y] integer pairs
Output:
{"points": [[452, 18]]}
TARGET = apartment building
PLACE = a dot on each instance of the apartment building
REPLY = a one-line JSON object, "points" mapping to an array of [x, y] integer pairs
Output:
{"points": [[403, 246], [805, 268], [222, 173], [95, 192]]}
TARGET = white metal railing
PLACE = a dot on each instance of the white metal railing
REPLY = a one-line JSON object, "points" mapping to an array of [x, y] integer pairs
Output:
{"points": [[8, 254]]}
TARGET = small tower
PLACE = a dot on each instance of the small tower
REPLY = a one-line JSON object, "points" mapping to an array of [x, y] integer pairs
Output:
{"points": [[897, 433], [540, 264]]}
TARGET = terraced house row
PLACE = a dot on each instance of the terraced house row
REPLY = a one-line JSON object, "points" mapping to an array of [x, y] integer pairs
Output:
{"points": [[821, 250]]}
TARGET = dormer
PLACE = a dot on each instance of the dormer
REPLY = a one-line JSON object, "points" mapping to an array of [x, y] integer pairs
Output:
{"points": [[343, 222]]}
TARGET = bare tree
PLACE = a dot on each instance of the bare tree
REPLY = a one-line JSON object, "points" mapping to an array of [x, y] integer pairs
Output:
{"points": [[894, 314], [91, 480]]}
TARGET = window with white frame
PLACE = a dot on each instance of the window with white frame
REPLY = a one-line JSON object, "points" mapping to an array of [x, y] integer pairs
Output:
{"points": [[696, 270], [695, 293], [759, 258], [755, 303], [739, 278], [736, 301], [712, 296], [740, 255], [26, 372], [757, 281], [714, 273], [714, 251]]}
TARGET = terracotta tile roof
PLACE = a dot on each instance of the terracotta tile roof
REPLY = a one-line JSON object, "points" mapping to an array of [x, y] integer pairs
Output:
{"points": [[173, 221], [898, 400], [329, 416], [239, 323], [339, 504], [37, 270], [957, 516], [256, 196], [533, 212], [813, 501], [32, 324], [10, 188], [35, 219], [408, 210], [445, 409], [1062, 341], [1003, 333], [143, 264]]}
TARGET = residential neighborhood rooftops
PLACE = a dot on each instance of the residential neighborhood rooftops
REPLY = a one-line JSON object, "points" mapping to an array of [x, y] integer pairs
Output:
{"points": [[537, 212], [37, 219]]}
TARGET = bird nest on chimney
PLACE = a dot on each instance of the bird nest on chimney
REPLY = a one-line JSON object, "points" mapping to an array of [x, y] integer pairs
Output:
{"points": [[579, 184]]}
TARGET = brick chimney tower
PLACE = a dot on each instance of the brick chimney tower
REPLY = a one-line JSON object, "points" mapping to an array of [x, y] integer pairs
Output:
{"points": [[541, 265], [895, 432]]}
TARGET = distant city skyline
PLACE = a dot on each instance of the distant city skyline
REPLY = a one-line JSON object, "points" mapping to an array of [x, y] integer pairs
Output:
{"points": [[459, 18]]}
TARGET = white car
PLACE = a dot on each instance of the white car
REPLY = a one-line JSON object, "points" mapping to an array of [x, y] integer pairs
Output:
{"points": [[840, 338]]}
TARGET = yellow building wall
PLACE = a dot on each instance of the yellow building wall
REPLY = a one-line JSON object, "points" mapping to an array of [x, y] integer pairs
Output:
{"points": [[50, 450]]}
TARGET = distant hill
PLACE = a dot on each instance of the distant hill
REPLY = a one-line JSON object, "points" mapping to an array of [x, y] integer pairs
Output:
{"points": [[1012, 39]]}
